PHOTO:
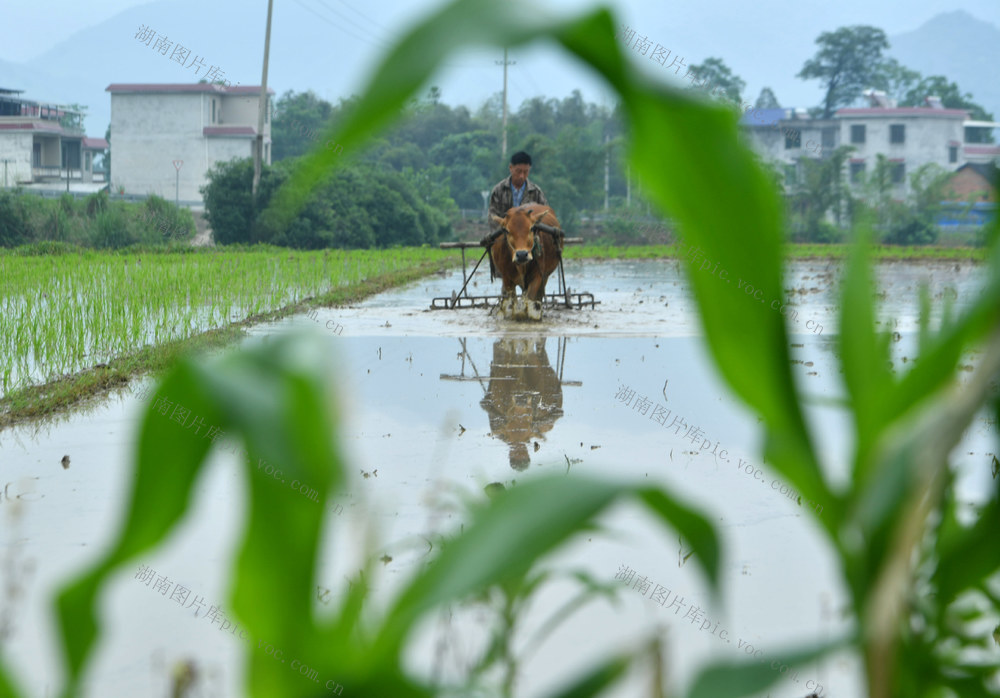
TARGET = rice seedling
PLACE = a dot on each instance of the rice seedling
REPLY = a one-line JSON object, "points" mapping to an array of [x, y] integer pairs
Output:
{"points": [[60, 313]]}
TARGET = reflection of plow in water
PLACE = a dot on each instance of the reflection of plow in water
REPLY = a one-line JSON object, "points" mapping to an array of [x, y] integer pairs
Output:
{"points": [[523, 395], [562, 298]]}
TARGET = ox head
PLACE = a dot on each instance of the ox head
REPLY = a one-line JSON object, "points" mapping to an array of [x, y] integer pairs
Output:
{"points": [[518, 225]]}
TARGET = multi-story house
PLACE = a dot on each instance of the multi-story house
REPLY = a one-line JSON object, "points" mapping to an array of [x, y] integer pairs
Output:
{"points": [[908, 137], [166, 137], [43, 142]]}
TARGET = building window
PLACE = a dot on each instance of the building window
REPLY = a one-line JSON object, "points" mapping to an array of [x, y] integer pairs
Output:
{"points": [[976, 134], [897, 133], [793, 139], [213, 111], [898, 172], [857, 172], [858, 133], [829, 137], [952, 153], [791, 175]]}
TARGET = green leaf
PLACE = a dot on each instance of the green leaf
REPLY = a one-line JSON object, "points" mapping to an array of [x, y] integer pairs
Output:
{"points": [[733, 680], [8, 689], [864, 356], [282, 413], [745, 335], [597, 680], [698, 532]]}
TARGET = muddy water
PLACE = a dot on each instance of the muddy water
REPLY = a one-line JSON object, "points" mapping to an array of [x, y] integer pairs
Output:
{"points": [[438, 405]]}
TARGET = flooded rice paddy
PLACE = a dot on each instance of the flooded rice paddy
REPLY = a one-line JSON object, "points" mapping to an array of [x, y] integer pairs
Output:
{"points": [[439, 404]]}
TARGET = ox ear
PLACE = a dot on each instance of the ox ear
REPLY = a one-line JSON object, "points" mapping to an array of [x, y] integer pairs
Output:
{"points": [[536, 217], [498, 220]]}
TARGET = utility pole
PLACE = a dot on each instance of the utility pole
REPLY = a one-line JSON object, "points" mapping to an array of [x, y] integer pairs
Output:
{"points": [[607, 169], [628, 186], [503, 142], [258, 151]]}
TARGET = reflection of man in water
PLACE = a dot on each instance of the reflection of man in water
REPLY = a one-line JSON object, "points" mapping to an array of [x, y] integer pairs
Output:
{"points": [[524, 398]]}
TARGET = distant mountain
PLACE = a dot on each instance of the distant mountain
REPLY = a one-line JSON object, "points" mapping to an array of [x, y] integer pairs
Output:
{"points": [[964, 49], [311, 48]]}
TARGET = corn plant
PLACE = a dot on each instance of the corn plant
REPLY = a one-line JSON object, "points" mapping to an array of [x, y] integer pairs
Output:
{"points": [[921, 580]]}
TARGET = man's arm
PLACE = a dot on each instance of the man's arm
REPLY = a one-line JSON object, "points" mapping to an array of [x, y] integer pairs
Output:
{"points": [[496, 202], [539, 195]]}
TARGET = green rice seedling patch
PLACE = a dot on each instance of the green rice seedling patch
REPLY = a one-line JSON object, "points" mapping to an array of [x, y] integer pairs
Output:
{"points": [[78, 309]]}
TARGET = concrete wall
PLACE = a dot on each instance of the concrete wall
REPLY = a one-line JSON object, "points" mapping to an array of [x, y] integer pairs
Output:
{"points": [[926, 141], [149, 131], [242, 110], [16, 147]]}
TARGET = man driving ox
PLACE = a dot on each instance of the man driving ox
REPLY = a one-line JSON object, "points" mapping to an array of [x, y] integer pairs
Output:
{"points": [[514, 191]]}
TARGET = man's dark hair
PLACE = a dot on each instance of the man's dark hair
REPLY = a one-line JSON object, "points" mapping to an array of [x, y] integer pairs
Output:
{"points": [[520, 158]]}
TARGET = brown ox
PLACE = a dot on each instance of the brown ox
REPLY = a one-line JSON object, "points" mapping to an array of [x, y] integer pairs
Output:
{"points": [[524, 257], [524, 399]]}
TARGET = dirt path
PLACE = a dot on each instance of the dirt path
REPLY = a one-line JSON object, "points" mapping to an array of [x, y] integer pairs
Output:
{"points": [[203, 237]]}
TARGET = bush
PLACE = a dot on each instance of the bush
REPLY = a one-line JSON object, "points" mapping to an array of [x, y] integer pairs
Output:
{"points": [[360, 207], [229, 205], [97, 203], [909, 227], [15, 228]]}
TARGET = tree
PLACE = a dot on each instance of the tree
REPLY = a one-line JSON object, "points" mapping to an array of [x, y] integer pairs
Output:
{"points": [[74, 116], [298, 123], [107, 157], [767, 100], [895, 79], [716, 76], [847, 62], [950, 94], [819, 189]]}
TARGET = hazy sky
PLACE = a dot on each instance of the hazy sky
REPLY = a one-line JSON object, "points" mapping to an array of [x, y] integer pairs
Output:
{"points": [[329, 45], [30, 28]]}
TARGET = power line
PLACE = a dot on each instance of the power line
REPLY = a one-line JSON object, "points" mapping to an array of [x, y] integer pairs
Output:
{"points": [[351, 21], [362, 15], [338, 26]]}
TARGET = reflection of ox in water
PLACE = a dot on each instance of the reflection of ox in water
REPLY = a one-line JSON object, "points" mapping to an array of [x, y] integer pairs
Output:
{"points": [[524, 256], [524, 398]]}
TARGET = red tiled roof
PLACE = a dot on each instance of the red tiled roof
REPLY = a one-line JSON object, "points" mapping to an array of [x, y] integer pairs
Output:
{"points": [[902, 111], [95, 143], [181, 88], [229, 131]]}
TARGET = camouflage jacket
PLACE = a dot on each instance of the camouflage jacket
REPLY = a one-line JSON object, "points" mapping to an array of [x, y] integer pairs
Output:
{"points": [[502, 198]]}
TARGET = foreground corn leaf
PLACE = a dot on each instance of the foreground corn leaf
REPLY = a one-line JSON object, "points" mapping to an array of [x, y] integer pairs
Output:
{"points": [[712, 188], [275, 399], [735, 680]]}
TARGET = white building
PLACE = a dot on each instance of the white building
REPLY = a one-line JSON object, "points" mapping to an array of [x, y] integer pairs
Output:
{"points": [[157, 128], [909, 137], [41, 143]]}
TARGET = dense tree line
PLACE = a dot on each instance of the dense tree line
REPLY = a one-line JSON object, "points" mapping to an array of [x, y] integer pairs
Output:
{"points": [[407, 184]]}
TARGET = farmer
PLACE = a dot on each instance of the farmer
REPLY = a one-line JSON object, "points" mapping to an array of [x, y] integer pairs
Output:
{"points": [[513, 191]]}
